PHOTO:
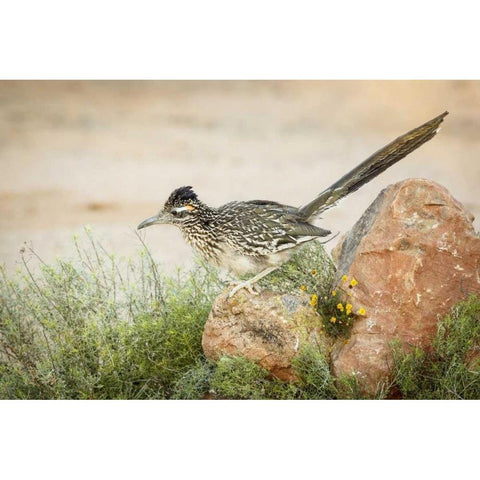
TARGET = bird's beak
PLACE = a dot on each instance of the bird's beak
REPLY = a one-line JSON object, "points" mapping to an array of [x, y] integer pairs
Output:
{"points": [[155, 220]]}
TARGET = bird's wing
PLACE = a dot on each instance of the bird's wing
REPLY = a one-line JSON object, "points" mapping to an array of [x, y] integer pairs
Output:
{"points": [[261, 228]]}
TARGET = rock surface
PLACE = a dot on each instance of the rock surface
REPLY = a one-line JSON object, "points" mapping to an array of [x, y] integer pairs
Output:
{"points": [[268, 328], [414, 253]]}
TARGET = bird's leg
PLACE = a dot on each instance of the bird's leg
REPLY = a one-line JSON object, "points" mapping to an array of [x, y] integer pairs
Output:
{"points": [[250, 283]]}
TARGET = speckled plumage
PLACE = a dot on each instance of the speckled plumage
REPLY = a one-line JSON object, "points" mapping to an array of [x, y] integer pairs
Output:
{"points": [[260, 235], [246, 237]]}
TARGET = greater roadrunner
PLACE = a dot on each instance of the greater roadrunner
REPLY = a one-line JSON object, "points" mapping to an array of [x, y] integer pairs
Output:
{"points": [[258, 236]]}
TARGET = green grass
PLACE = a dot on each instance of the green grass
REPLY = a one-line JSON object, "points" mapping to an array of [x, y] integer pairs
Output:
{"points": [[99, 327]]}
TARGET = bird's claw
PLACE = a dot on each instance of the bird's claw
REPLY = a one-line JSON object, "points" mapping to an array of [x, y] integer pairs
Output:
{"points": [[254, 289]]}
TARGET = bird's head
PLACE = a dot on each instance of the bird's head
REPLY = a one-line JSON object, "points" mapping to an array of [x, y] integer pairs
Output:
{"points": [[182, 206]]}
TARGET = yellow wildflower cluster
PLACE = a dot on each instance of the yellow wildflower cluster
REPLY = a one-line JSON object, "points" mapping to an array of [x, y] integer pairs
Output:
{"points": [[336, 308], [353, 281], [348, 306]]}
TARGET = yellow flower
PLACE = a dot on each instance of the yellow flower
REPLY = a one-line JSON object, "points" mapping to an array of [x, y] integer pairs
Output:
{"points": [[303, 287], [314, 300], [348, 308], [334, 293], [314, 272], [340, 307], [344, 278], [333, 319], [361, 311], [353, 282]]}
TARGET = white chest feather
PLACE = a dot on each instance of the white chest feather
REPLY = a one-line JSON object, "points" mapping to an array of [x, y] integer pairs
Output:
{"points": [[249, 264]]}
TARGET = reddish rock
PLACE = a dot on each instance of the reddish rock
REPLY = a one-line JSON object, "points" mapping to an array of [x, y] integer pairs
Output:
{"points": [[414, 253], [268, 328]]}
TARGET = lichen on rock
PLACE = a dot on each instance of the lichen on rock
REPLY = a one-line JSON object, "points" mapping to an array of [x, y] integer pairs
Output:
{"points": [[269, 328]]}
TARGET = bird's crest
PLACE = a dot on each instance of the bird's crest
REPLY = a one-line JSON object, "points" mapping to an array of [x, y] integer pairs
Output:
{"points": [[182, 196]]}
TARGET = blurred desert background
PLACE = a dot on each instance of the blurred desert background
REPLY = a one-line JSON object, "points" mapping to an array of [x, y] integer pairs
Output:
{"points": [[108, 153]]}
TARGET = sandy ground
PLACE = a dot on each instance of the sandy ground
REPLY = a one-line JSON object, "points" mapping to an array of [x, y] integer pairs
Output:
{"points": [[108, 154]]}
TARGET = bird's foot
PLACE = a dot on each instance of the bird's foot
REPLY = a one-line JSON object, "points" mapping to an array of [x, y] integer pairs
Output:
{"points": [[251, 287], [251, 284]]}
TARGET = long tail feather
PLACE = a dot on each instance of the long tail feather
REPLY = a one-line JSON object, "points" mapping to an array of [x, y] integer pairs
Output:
{"points": [[373, 166]]}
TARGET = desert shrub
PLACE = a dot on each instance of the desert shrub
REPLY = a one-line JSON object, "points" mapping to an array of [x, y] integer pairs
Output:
{"points": [[239, 378], [194, 384], [100, 327], [96, 328], [451, 370], [315, 379]]}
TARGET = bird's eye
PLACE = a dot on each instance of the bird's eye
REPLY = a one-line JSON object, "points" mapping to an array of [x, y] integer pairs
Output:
{"points": [[181, 212]]}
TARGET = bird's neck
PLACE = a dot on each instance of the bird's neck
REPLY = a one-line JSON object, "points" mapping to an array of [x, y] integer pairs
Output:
{"points": [[200, 232]]}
